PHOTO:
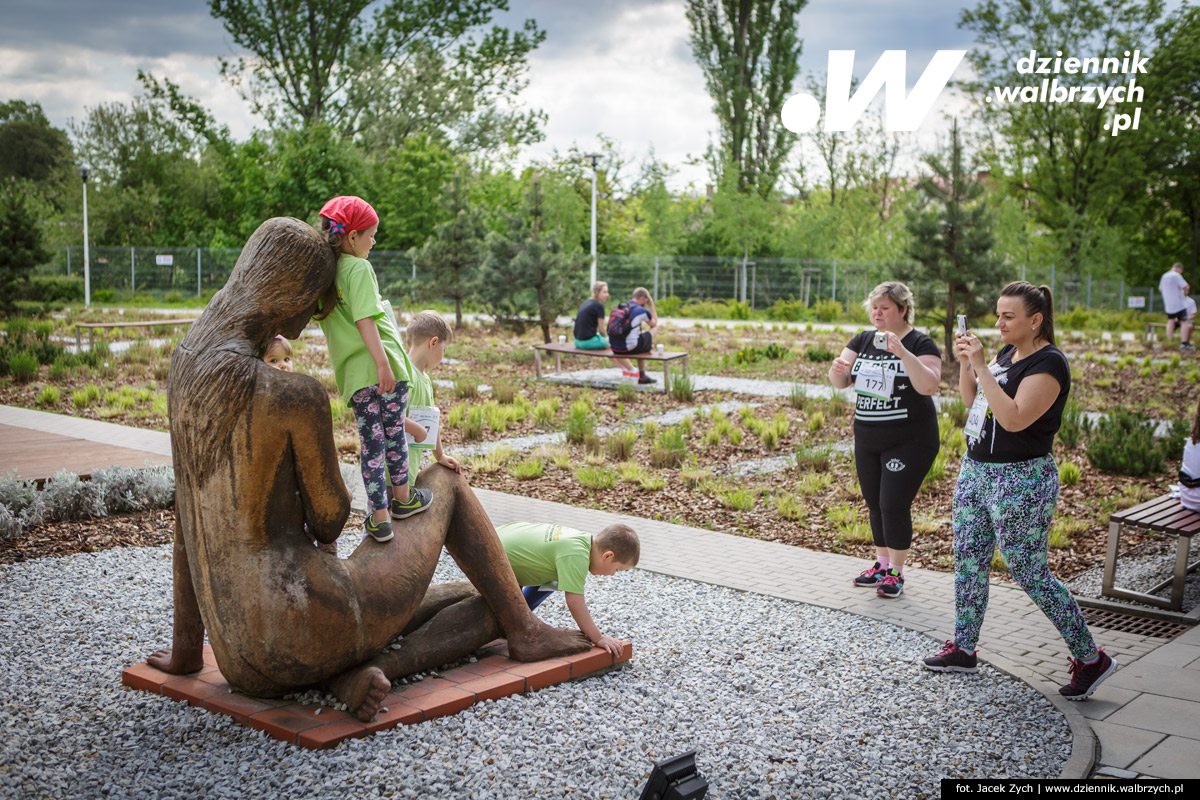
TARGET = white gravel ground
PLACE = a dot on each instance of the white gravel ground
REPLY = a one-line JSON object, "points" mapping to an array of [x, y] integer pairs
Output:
{"points": [[781, 700]]}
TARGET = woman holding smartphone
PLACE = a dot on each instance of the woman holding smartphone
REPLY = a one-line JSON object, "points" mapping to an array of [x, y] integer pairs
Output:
{"points": [[894, 370], [1008, 483]]}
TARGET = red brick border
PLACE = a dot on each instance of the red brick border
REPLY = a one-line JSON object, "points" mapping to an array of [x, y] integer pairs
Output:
{"points": [[489, 678]]}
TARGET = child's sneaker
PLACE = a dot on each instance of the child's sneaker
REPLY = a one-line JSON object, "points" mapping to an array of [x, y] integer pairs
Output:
{"points": [[418, 501], [952, 659], [892, 584], [871, 576], [1086, 677], [379, 531]]}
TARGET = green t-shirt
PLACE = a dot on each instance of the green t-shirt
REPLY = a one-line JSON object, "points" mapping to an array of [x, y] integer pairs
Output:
{"points": [[541, 553], [420, 393], [359, 298]]}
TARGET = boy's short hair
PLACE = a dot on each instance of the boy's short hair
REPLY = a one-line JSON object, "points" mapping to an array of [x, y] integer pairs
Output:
{"points": [[641, 293], [623, 541], [424, 325]]}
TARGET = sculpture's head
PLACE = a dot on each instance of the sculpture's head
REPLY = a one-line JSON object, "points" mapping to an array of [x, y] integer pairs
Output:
{"points": [[285, 268]]}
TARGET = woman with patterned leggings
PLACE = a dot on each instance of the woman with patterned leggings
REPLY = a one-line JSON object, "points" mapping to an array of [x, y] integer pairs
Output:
{"points": [[1008, 483]]}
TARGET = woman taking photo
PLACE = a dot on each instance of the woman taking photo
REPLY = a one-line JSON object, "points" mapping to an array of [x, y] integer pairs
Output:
{"points": [[894, 369], [1008, 484]]}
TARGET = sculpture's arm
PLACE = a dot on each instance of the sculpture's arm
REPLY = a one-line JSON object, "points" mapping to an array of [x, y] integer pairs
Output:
{"points": [[187, 641], [322, 490]]}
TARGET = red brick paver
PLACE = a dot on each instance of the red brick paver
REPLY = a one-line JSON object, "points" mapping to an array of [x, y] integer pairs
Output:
{"points": [[318, 728]]}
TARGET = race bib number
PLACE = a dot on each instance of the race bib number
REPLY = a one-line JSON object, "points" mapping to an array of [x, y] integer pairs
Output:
{"points": [[427, 417], [873, 380], [975, 420]]}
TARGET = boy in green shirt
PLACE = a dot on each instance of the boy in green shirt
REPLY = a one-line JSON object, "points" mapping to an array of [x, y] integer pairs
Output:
{"points": [[427, 335], [545, 557]]}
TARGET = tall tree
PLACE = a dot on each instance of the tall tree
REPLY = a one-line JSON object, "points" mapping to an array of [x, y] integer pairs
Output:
{"points": [[1078, 177], [455, 251], [749, 52], [30, 147], [529, 273], [21, 235], [413, 65], [951, 230]]}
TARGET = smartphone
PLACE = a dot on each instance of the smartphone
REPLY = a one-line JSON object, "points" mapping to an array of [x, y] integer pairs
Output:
{"points": [[881, 341], [962, 323]]}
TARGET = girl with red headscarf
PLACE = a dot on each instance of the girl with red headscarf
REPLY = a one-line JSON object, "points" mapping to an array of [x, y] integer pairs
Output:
{"points": [[371, 367]]}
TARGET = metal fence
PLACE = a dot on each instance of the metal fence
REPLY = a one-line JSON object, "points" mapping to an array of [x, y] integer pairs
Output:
{"points": [[162, 271]]}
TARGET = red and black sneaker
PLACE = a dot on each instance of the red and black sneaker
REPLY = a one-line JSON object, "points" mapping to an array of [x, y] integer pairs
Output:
{"points": [[1086, 677], [952, 659], [870, 577]]}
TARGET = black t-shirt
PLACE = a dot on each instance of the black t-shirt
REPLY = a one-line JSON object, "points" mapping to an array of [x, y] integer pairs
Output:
{"points": [[586, 320], [998, 446], [906, 406]]}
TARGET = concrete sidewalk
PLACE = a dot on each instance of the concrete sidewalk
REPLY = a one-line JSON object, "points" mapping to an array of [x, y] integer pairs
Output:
{"points": [[1144, 720]]}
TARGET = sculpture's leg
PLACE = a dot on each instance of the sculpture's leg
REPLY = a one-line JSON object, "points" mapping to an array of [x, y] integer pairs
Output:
{"points": [[186, 653], [476, 548], [439, 596]]}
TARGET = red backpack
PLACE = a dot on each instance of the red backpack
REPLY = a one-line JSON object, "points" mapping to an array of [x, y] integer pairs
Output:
{"points": [[620, 321]]}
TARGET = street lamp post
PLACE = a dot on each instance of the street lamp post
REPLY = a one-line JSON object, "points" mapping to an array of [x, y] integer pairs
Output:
{"points": [[87, 263], [594, 160]]}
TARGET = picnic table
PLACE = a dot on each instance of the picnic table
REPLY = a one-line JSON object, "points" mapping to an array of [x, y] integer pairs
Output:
{"points": [[91, 326], [1163, 515], [560, 349]]}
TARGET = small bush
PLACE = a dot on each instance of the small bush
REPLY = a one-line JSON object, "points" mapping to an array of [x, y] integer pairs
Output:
{"points": [[747, 355], [596, 478], [828, 310], [790, 507], [1069, 473], [504, 392], [472, 426], [682, 388], [580, 424], [529, 469], [816, 421], [816, 459], [466, 388], [1177, 436], [1124, 443], [21, 506], [48, 396], [620, 444], [692, 477], [23, 366], [739, 499], [1075, 425], [670, 449], [787, 310], [61, 368], [125, 489], [797, 398], [69, 498], [492, 461], [817, 354], [811, 484]]}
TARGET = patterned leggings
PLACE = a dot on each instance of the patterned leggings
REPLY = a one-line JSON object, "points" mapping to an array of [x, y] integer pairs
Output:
{"points": [[1010, 505], [383, 451]]}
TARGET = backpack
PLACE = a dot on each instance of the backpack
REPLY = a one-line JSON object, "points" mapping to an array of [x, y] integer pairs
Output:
{"points": [[620, 321]]}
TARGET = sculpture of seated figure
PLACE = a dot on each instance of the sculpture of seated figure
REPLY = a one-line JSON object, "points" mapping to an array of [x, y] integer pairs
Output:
{"points": [[255, 464]]}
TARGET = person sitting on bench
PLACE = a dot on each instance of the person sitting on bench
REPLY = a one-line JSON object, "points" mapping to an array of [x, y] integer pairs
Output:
{"points": [[625, 334], [589, 319]]}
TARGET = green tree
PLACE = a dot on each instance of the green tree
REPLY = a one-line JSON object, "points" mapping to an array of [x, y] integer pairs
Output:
{"points": [[22, 216], [1079, 179], [528, 271], [414, 65], [749, 52], [407, 183], [951, 230], [455, 251], [30, 147]]}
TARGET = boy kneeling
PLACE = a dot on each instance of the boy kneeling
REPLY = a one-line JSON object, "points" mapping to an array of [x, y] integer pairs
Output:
{"points": [[546, 557]]}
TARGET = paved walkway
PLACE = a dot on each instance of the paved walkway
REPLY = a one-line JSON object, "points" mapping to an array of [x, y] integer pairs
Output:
{"points": [[1145, 720]]}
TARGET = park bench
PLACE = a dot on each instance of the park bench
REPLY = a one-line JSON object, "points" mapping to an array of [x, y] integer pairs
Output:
{"points": [[91, 326], [1162, 515], [1151, 333], [560, 349]]}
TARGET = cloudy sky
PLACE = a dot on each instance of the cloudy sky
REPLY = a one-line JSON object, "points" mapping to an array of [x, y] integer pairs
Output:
{"points": [[623, 68]]}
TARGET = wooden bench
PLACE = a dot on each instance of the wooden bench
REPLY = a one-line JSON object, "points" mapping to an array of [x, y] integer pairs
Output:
{"points": [[91, 326], [559, 349], [1163, 515]]}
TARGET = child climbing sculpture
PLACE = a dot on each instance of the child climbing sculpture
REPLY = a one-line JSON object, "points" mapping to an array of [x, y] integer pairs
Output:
{"points": [[245, 439]]}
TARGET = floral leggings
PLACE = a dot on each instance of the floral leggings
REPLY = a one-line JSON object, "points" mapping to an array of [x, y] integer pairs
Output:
{"points": [[383, 450], [1010, 505]]}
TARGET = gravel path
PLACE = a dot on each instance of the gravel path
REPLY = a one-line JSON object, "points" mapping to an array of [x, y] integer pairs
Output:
{"points": [[780, 699]]}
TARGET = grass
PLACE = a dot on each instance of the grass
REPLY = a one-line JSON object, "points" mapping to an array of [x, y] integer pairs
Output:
{"points": [[596, 478], [849, 524], [936, 471], [48, 396], [639, 475], [816, 421], [580, 424], [1063, 529], [738, 499], [694, 477], [504, 391], [546, 410], [670, 449], [86, 396], [790, 506], [811, 484], [1069, 473], [815, 458], [529, 469], [558, 455], [620, 444], [466, 388], [492, 461], [682, 389]]}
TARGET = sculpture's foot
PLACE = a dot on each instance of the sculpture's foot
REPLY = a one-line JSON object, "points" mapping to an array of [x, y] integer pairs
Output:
{"points": [[539, 641], [362, 689], [175, 662]]}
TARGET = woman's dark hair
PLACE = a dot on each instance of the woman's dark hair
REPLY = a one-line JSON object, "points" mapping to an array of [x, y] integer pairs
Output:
{"points": [[329, 298], [1038, 300]]}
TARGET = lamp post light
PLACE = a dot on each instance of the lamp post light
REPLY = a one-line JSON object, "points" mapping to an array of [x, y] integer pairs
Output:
{"points": [[87, 263], [594, 160]]}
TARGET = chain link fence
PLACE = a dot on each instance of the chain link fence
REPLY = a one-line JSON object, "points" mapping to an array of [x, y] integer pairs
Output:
{"points": [[163, 272]]}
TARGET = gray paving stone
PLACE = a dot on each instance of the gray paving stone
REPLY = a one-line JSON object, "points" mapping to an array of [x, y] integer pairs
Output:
{"points": [[1146, 676], [1156, 713], [1174, 654], [1174, 757], [1120, 745], [1106, 701]]}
